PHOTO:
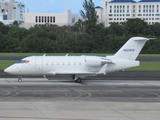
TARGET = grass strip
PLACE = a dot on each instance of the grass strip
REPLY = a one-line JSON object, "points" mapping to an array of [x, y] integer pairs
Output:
{"points": [[146, 66], [52, 54], [70, 54], [6, 63]]}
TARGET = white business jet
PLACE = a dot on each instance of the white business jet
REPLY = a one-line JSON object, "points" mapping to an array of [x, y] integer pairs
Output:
{"points": [[78, 67]]}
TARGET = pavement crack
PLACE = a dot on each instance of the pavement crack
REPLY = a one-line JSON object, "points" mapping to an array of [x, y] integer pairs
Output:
{"points": [[122, 113], [36, 108], [15, 88]]}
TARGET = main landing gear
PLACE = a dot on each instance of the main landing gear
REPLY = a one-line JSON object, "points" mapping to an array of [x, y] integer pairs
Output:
{"points": [[19, 78], [76, 79]]}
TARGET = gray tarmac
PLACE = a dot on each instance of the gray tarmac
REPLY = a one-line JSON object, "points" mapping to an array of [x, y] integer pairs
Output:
{"points": [[39, 99]]}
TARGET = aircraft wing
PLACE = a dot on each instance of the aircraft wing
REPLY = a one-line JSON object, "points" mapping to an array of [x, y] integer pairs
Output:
{"points": [[71, 73], [102, 71]]}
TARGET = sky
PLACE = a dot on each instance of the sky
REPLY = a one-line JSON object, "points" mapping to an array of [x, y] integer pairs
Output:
{"points": [[56, 6]]}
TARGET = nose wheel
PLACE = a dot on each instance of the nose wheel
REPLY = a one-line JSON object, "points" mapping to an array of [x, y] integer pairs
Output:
{"points": [[19, 78]]}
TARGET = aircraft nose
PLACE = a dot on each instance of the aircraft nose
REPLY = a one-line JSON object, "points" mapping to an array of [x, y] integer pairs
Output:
{"points": [[8, 70]]}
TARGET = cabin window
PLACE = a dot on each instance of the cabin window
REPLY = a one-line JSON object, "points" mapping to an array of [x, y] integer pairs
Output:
{"points": [[68, 63], [79, 63], [57, 63]]}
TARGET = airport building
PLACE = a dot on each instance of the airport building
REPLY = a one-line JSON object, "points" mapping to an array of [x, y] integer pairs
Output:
{"points": [[60, 19], [121, 10], [11, 10]]}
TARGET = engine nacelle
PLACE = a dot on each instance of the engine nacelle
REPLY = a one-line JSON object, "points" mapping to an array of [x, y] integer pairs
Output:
{"points": [[93, 61]]}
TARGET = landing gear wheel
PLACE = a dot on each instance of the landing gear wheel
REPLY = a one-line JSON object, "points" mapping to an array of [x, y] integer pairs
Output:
{"points": [[78, 80], [19, 79]]}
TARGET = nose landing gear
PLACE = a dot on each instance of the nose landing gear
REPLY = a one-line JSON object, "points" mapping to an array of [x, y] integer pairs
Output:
{"points": [[19, 78]]}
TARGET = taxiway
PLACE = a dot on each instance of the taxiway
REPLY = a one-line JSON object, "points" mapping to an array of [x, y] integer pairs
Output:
{"points": [[37, 98]]}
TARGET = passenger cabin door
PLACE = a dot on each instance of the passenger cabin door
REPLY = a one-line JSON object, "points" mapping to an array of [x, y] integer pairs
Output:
{"points": [[39, 63]]}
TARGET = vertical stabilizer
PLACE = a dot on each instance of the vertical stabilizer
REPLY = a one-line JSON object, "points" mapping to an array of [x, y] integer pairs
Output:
{"points": [[131, 49]]}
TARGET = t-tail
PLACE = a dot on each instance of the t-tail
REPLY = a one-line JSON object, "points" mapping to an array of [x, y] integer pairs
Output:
{"points": [[131, 49]]}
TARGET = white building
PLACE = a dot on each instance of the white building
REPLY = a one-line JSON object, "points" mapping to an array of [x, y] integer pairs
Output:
{"points": [[5, 22], [65, 18], [11, 11], [121, 10], [18, 10], [99, 11]]}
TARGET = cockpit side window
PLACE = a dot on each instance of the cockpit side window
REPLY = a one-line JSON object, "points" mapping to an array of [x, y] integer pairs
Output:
{"points": [[23, 61], [20, 61]]}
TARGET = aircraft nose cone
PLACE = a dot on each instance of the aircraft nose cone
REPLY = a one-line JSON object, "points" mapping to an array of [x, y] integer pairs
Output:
{"points": [[6, 70]]}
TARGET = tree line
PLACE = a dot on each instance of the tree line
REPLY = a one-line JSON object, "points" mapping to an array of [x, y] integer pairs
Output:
{"points": [[84, 37]]}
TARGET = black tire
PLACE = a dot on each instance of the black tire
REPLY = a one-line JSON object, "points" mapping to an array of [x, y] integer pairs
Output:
{"points": [[78, 80]]}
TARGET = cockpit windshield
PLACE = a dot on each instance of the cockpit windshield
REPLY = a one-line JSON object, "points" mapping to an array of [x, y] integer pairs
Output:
{"points": [[23, 61]]}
